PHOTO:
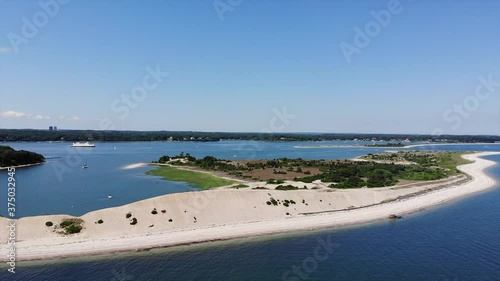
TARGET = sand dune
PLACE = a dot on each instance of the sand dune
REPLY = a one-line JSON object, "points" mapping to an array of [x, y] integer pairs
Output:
{"points": [[228, 213]]}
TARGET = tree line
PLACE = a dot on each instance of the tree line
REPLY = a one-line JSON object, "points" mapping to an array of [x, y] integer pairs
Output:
{"points": [[10, 157], [14, 135]]}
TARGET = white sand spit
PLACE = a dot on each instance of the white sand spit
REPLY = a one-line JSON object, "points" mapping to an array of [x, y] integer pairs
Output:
{"points": [[229, 213]]}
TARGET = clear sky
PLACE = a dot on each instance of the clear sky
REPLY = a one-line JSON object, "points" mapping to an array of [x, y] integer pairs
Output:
{"points": [[232, 64]]}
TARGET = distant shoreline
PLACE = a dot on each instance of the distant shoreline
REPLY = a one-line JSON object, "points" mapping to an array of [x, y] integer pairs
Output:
{"points": [[228, 214], [388, 147]]}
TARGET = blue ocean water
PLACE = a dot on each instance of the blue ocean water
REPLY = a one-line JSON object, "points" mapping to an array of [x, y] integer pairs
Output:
{"points": [[455, 241]]}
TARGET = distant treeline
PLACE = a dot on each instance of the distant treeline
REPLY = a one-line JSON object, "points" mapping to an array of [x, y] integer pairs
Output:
{"points": [[110, 136], [11, 157]]}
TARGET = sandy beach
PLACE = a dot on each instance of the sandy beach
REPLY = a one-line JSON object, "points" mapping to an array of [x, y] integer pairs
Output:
{"points": [[388, 147], [228, 213]]}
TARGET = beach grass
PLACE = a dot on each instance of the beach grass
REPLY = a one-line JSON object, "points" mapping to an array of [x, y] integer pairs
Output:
{"points": [[197, 179], [452, 160]]}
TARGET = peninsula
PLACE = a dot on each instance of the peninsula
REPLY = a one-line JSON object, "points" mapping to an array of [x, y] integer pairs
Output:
{"points": [[249, 207], [10, 157]]}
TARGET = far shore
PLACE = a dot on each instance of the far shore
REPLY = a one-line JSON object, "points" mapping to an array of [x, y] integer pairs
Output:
{"points": [[229, 213], [388, 147]]}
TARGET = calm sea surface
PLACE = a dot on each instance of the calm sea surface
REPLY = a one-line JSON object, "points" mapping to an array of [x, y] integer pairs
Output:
{"points": [[456, 241]]}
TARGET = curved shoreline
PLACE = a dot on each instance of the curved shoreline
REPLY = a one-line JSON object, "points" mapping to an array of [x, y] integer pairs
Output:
{"points": [[389, 147], [63, 247]]}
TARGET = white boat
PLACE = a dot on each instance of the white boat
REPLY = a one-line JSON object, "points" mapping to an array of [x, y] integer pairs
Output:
{"points": [[82, 144], [110, 196]]}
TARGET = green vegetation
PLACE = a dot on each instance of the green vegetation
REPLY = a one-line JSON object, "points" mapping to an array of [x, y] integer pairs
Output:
{"points": [[286, 187], [11, 157], [71, 226], [154, 212], [272, 201], [275, 202], [133, 221], [428, 166], [49, 224], [128, 215], [380, 170], [100, 221], [198, 179], [240, 186], [273, 181]]}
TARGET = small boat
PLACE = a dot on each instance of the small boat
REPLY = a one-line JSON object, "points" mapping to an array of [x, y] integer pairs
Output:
{"points": [[110, 196], [82, 144], [85, 166]]}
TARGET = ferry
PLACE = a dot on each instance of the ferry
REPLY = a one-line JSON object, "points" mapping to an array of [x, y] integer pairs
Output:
{"points": [[80, 144]]}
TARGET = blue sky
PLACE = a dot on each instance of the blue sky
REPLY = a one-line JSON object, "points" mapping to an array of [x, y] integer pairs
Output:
{"points": [[233, 72]]}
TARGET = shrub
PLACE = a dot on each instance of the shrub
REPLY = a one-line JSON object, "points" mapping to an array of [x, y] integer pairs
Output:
{"points": [[170, 220], [128, 215], [163, 211], [154, 212], [273, 181], [66, 223], [134, 221], [49, 223], [240, 186], [71, 229], [286, 187], [100, 221], [71, 225], [273, 201]]}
